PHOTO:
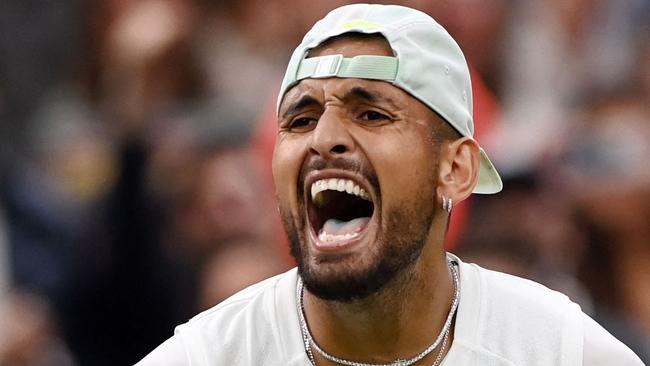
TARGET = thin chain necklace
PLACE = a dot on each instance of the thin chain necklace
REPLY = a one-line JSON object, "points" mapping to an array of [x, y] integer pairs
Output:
{"points": [[443, 336]]}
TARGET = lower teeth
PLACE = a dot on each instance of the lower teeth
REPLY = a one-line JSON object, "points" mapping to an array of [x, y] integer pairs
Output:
{"points": [[323, 236]]}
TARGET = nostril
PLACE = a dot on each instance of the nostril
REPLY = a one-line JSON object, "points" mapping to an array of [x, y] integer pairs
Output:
{"points": [[338, 149]]}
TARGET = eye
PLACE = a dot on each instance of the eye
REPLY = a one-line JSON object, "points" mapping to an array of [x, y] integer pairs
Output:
{"points": [[373, 116], [303, 124]]}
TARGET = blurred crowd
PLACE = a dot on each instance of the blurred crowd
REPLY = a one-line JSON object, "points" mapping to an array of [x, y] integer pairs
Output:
{"points": [[135, 145]]}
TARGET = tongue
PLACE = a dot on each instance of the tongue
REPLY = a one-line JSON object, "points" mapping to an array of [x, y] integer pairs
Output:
{"points": [[338, 227]]}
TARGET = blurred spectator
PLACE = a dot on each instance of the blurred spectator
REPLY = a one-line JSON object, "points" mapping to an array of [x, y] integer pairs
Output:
{"points": [[609, 180], [205, 176], [480, 27], [245, 44], [555, 53], [83, 230], [29, 336], [187, 187], [235, 266], [522, 232], [50, 196], [38, 44]]}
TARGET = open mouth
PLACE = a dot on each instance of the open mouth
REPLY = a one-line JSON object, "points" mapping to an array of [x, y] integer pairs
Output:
{"points": [[339, 211]]}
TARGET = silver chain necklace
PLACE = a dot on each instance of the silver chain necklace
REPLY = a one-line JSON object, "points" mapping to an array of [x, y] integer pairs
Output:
{"points": [[443, 336]]}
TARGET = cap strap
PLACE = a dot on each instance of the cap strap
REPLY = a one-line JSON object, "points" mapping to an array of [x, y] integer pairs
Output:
{"points": [[363, 67]]}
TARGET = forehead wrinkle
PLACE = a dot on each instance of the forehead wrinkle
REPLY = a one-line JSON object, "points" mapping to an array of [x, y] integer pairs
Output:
{"points": [[353, 90]]}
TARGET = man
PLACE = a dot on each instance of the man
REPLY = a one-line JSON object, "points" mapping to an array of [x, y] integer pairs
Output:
{"points": [[374, 147]]}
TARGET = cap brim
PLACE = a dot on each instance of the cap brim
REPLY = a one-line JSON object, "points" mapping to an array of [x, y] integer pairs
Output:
{"points": [[489, 180]]}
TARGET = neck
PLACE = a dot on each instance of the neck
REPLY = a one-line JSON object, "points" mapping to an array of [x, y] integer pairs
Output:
{"points": [[398, 322]]}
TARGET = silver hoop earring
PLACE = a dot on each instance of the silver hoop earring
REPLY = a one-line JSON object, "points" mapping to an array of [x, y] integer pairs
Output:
{"points": [[447, 204]]}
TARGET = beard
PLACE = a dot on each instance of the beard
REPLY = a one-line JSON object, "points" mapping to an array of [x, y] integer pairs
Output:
{"points": [[399, 241]]}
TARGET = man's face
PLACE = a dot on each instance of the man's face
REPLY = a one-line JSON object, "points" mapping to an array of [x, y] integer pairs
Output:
{"points": [[355, 167]]}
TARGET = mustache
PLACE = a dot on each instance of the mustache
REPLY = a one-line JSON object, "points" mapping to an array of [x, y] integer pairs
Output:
{"points": [[350, 165], [338, 163]]}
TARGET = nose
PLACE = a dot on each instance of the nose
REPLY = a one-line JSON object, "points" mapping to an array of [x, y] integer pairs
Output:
{"points": [[331, 137]]}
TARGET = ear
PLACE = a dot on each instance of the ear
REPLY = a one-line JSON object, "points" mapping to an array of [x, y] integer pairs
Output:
{"points": [[458, 168]]}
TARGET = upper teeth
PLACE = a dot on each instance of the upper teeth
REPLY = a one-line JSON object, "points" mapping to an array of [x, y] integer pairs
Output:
{"points": [[336, 184]]}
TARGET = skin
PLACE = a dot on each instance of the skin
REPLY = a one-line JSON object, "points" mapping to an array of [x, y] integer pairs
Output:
{"points": [[401, 144]]}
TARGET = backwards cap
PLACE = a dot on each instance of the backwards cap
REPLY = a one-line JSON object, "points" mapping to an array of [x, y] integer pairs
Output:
{"points": [[428, 64]]}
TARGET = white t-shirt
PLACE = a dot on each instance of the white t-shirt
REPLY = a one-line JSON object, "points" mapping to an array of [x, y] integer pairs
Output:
{"points": [[502, 320]]}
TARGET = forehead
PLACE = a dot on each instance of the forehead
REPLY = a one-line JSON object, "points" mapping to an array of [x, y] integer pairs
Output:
{"points": [[350, 45]]}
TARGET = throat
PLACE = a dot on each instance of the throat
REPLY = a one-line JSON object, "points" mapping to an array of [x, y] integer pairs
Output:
{"points": [[396, 323]]}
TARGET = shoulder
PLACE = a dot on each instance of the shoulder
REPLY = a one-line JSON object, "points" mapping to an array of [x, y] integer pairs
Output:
{"points": [[601, 348], [243, 329], [258, 300], [504, 293], [518, 321], [521, 322], [171, 353]]}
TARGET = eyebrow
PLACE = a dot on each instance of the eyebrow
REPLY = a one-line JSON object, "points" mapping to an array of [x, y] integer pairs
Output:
{"points": [[354, 92], [303, 102], [363, 93], [368, 96]]}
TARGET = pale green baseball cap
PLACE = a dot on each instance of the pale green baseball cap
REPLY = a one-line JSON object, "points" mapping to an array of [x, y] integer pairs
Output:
{"points": [[427, 63]]}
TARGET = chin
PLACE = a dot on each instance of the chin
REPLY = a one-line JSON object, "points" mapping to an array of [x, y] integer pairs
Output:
{"points": [[351, 276], [343, 279]]}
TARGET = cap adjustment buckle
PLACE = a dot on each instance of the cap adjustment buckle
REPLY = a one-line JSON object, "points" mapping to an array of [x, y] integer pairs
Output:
{"points": [[328, 66]]}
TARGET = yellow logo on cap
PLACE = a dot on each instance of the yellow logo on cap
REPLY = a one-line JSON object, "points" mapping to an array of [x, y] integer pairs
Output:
{"points": [[360, 24]]}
